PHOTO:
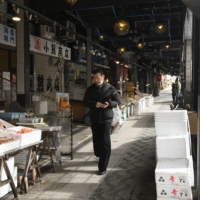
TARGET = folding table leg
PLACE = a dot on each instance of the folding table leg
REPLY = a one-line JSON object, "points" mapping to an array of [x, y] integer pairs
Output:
{"points": [[24, 181], [12, 185]]}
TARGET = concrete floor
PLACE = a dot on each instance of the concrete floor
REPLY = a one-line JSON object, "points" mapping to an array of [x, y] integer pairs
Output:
{"points": [[130, 174]]}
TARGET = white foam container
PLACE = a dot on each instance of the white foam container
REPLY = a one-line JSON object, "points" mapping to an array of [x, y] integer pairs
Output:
{"points": [[191, 168], [6, 188], [174, 191], [26, 138], [171, 199], [167, 128], [173, 147], [8, 146], [173, 172]]}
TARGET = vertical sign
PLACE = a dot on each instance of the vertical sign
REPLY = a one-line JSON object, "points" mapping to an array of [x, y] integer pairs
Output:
{"points": [[7, 35]]}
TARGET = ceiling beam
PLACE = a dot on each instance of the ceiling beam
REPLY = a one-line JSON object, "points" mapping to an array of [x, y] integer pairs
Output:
{"points": [[83, 4]]}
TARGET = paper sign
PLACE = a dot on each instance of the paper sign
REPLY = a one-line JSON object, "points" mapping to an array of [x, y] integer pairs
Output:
{"points": [[43, 107]]}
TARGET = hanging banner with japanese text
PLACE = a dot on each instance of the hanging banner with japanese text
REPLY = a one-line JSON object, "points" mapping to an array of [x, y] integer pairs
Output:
{"points": [[7, 35], [50, 48]]}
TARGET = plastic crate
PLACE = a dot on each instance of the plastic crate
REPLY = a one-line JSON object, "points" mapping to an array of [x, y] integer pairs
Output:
{"points": [[11, 115]]}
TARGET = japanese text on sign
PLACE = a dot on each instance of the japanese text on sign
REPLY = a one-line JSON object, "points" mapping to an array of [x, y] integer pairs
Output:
{"points": [[7, 35], [49, 48]]}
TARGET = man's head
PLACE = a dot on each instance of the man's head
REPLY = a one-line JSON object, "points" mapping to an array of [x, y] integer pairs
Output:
{"points": [[98, 76]]}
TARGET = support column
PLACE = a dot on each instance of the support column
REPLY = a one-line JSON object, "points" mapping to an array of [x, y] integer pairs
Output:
{"points": [[195, 61], [23, 60], [151, 79], [198, 132], [147, 82], [89, 70], [188, 68], [135, 75]]}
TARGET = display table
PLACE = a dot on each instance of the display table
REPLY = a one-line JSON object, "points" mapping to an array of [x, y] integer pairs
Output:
{"points": [[3, 165], [45, 146], [47, 136], [31, 163]]}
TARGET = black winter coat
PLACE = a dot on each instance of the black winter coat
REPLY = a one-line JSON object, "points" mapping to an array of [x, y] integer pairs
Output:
{"points": [[107, 93]]}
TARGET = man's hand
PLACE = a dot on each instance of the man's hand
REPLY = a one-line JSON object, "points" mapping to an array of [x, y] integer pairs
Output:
{"points": [[105, 105], [99, 105]]}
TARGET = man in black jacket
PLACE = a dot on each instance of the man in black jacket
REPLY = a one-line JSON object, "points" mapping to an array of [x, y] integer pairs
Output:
{"points": [[101, 97]]}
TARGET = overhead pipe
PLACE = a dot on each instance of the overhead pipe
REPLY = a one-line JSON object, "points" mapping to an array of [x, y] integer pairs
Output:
{"points": [[81, 20], [154, 21], [19, 5], [139, 15]]}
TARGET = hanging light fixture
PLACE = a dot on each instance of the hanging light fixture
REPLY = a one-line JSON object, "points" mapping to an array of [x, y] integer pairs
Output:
{"points": [[91, 50], [121, 27], [76, 46], [71, 2], [140, 45], [121, 50], [167, 46], [36, 19], [15, 13], [160, 27], [98, 53], [103, 54], [83, 46], [102, 37], [28, 16]]}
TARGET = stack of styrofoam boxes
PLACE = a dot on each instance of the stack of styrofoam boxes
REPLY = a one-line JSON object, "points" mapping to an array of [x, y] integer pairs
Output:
{"points": [[152, 100], [148, 101], [143, 103], [174, 171], [137, 107], [13, 170], [128, 109]]}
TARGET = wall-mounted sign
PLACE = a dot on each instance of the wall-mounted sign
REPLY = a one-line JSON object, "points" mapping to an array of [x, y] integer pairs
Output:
{"points": [[43, 46], [7, 35]]}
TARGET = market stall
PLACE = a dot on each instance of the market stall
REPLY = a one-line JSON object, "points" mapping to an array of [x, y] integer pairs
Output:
{"points": [[13, 140]]}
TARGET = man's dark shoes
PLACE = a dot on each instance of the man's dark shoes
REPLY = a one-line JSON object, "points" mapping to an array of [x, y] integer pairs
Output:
{"points": [[102, 173]]}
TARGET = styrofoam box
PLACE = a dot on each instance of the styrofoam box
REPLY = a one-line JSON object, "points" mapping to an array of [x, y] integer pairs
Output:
{"points": [[173, 147], [6, 124], [27, 138], [6, 188], [166, 128], [191, 168], [174, 191], [8, 146], [171, 199], [10, 162], [173, 172]]}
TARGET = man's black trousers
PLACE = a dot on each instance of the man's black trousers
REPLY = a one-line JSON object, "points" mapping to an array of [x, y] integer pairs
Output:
{"points": [[102, 144]]}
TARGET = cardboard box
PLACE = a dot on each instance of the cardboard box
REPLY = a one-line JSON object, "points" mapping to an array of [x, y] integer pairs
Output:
{"points": [[173, 172], [179, 192], [173, 147], [193, 122]]}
